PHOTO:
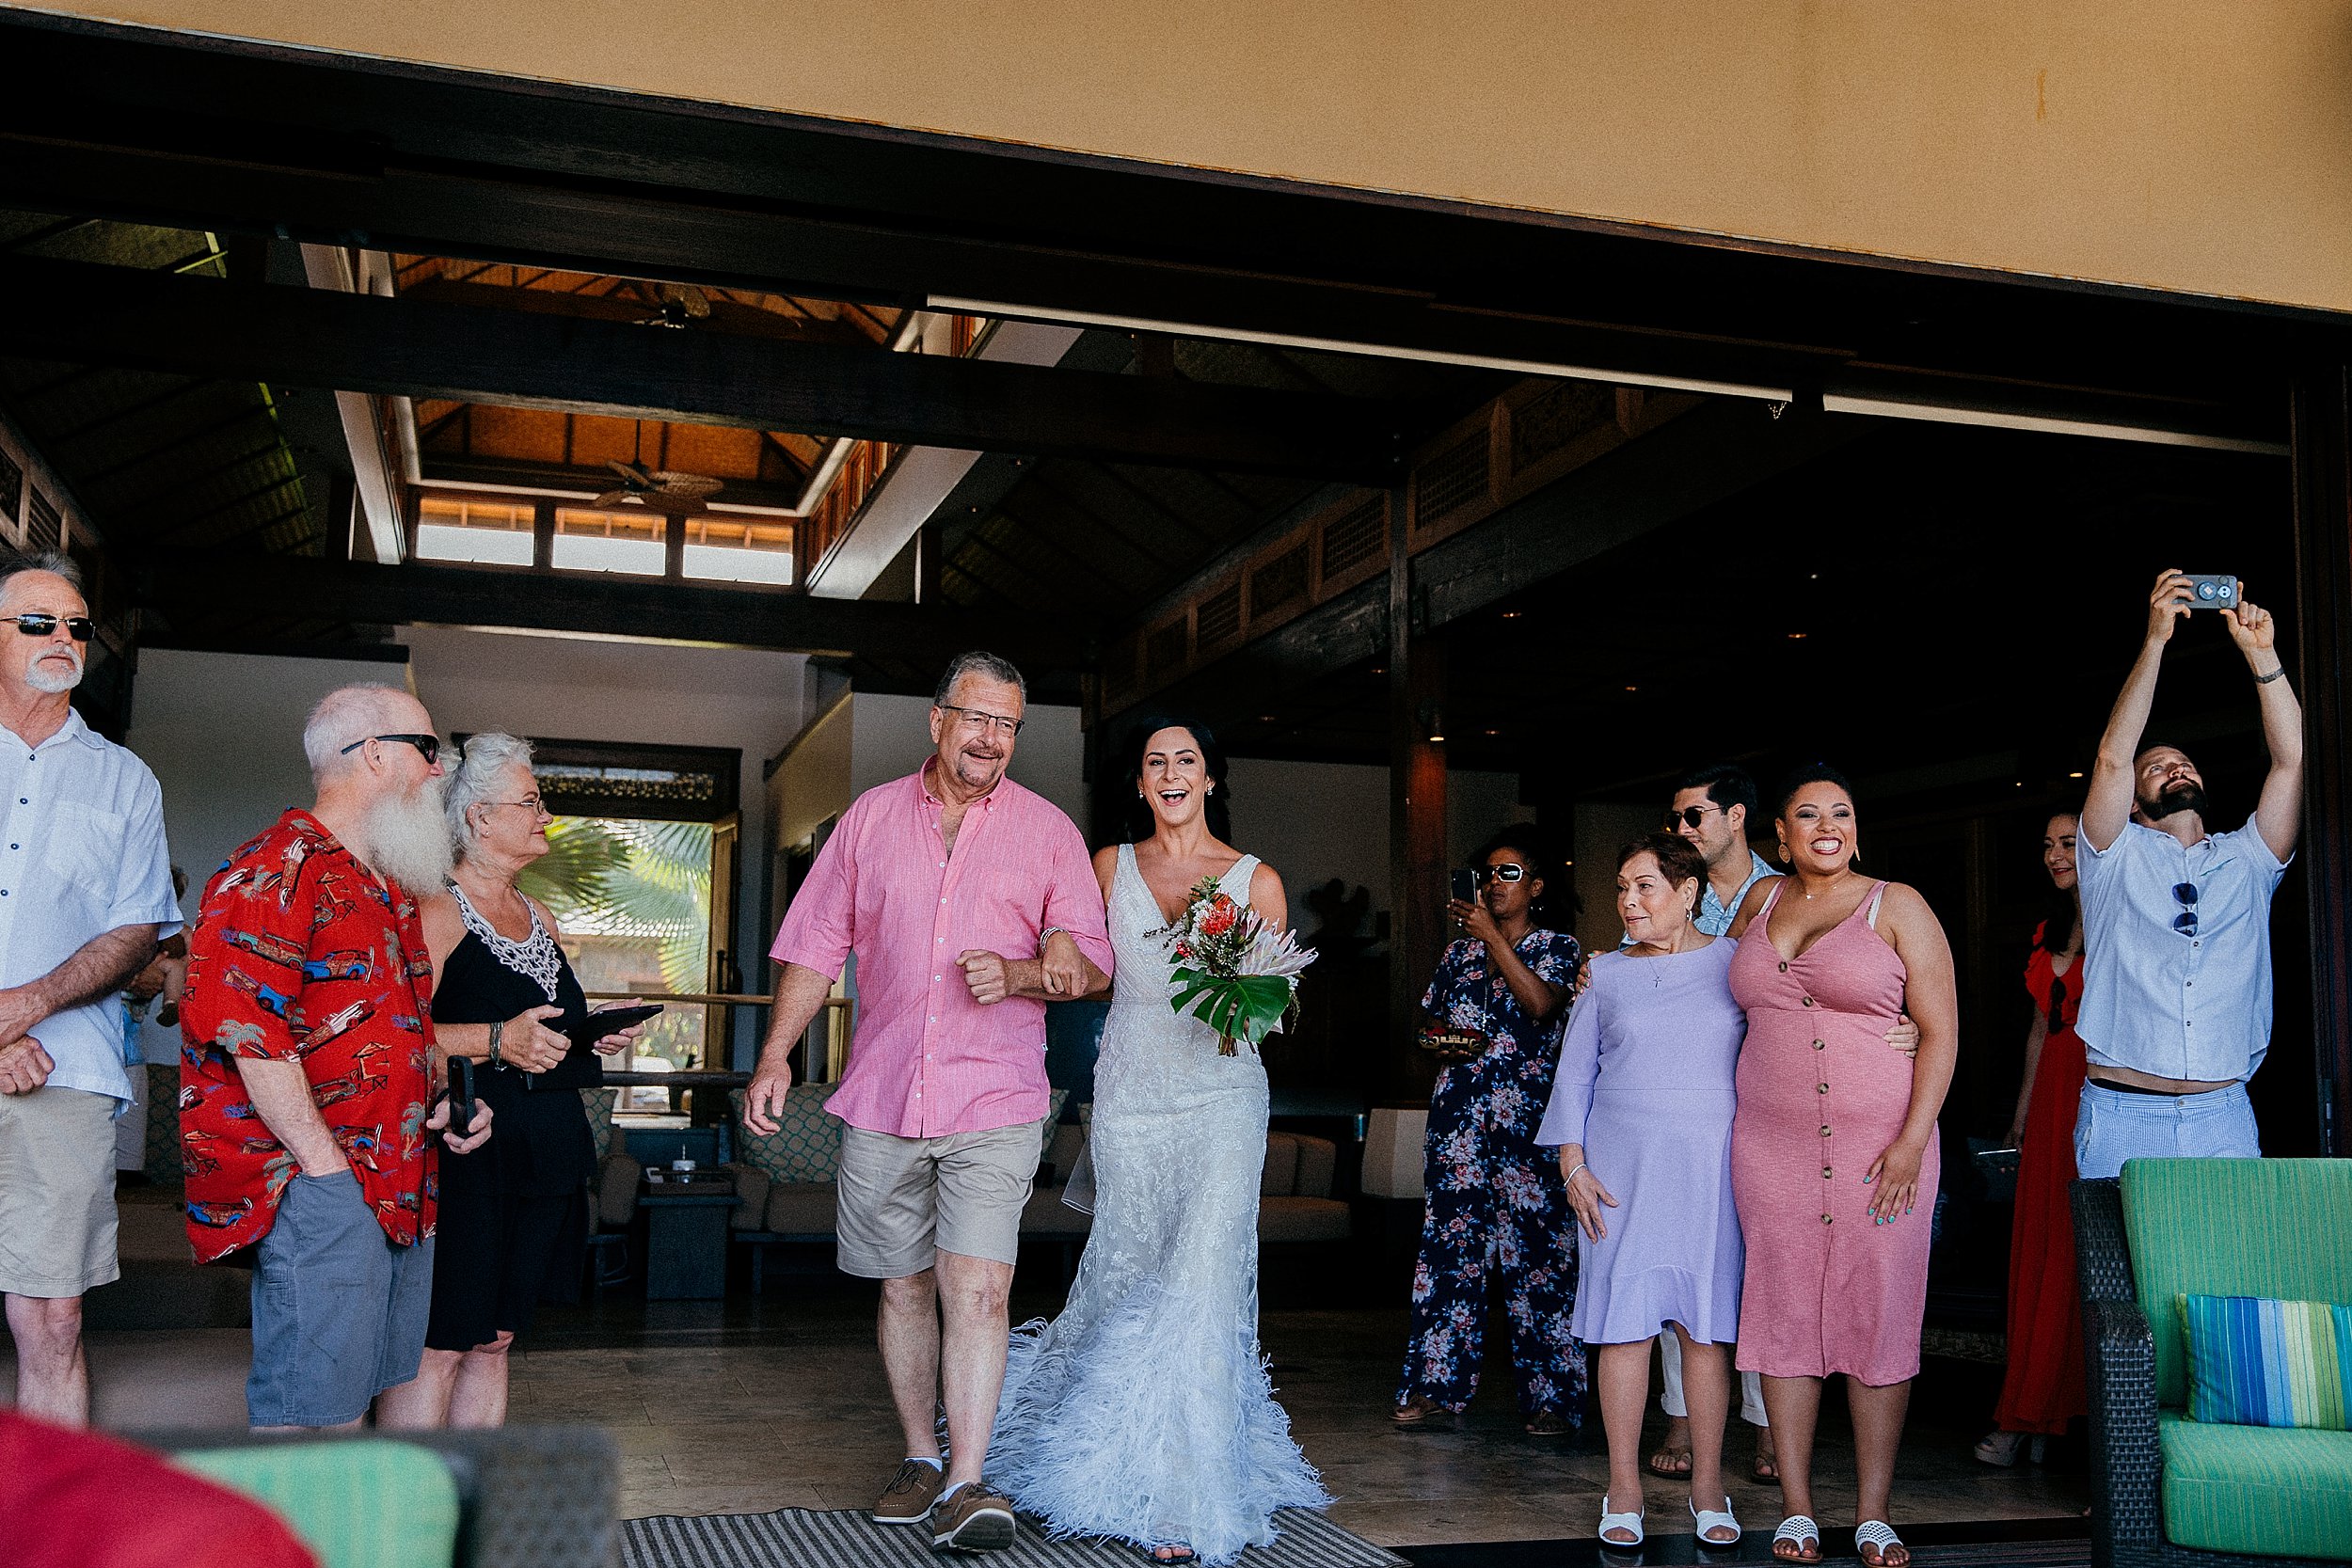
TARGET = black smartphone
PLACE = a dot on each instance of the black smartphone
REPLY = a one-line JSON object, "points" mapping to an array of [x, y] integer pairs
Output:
{"points": [[1464, 885], [461, 1096], [592, 1028], [2212, 593]]}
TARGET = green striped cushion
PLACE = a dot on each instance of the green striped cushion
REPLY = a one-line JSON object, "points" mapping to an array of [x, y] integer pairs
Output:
{"points": [[2254, 1362], [365, 1503]]}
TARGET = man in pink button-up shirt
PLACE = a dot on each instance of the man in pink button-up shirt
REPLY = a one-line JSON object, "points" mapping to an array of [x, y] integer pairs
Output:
{"points": [[969, 901]]}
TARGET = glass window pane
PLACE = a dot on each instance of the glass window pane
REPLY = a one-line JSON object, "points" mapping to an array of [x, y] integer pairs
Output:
{"points": [[453, 529], [609, 541], [738, 550]]}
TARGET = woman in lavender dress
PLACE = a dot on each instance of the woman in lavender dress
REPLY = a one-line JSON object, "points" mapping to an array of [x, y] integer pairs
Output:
{"points": [[1640, 1113]]}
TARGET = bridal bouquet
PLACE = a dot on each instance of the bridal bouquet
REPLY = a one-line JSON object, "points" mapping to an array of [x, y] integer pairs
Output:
{"points": [[1233, 971]]}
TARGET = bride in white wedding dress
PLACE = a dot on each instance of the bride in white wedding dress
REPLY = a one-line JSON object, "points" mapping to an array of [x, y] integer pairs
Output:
{"points": [[1143, 1412]]}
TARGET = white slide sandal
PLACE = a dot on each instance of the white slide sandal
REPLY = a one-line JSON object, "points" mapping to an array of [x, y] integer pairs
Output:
{"points": [[1710, 1519], [1877, 1535], [1619, 1521], [1797, 1530]]}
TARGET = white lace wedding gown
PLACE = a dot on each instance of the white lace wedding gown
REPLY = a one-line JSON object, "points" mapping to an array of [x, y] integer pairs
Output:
{"points": [[1144, 1411]]}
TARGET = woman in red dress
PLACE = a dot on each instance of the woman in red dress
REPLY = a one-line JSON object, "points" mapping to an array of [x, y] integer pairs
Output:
{"points": [[2044, 1384]]}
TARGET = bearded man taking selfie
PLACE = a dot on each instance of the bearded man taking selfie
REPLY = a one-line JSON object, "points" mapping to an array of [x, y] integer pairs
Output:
{"points": [[2176, 1002]]}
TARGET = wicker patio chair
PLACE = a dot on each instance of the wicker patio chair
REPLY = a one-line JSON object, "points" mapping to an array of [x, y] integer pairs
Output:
{"points": [[527, 1496], [2127, 1414]]}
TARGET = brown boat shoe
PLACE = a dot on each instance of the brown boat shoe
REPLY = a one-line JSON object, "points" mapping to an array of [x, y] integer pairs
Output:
{"points": [[911, 1494], [972, 1519]]}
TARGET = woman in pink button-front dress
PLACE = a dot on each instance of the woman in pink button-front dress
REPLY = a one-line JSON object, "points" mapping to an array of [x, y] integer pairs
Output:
{"points": [[1834, 1161]]}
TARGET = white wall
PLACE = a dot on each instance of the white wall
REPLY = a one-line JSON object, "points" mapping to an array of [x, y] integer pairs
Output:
{"points": [[1312, 821], [1602, 828], [891, 736]]}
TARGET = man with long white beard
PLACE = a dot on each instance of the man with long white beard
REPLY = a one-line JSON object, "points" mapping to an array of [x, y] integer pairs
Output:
{"points": [[307, 1101], [84, 892]]}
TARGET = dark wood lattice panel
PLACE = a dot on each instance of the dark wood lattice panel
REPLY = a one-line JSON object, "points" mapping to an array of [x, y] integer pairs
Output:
{"points": [[1555, 416], [1219, 620], [43, 529], [1279, 583], [1354, 539], [1453, 479], [1164, 651]]}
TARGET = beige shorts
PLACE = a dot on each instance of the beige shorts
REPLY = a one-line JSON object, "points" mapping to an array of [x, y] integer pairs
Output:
{"points": [[905, 1200], [56, 1192]]}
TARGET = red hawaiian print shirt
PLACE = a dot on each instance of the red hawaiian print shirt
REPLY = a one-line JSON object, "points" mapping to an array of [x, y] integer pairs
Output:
{"points": [[301, 954]]}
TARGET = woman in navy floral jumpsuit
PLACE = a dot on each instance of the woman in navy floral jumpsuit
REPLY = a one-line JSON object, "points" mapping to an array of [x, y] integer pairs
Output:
{"points": [[1495, 1204]]}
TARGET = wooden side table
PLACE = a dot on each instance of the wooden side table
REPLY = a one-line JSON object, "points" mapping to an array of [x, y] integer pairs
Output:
{"points": [[686, 1239]]}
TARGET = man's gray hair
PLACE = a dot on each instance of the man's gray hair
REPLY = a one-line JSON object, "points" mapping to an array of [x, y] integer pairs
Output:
{"points": [[474, 778], [349, 714], [987, 666], [55, 562]]}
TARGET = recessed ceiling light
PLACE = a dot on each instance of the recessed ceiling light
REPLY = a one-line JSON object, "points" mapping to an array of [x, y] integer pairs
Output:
{"points": [[1796, 637], [1266, 718], [1633, 688], [1494, 731], [2073, 775], [1511, 614]]}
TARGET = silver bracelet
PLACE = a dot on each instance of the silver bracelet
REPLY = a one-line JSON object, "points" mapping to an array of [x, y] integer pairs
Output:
{"points": [[1572, 1175]]}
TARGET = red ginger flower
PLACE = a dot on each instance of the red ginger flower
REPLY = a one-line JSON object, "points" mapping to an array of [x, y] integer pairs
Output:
{"points": [[1220, 917]]}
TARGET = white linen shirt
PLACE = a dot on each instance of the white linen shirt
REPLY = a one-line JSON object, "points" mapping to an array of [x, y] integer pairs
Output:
{"points": [[2155, 999], [82, 854]]}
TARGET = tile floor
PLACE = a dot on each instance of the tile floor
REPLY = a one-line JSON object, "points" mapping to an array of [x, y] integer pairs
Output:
{"points": [[750, 1404]]}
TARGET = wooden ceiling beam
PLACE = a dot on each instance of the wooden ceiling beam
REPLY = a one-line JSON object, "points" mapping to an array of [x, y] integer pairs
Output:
{"points": [[193, 589], [418, 348]]}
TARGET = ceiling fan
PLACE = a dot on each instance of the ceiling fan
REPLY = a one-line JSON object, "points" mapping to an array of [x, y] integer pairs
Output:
{"points": [[676, 305], [672, 494]]}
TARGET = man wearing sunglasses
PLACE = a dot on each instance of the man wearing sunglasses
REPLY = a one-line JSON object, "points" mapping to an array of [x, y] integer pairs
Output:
{"points": [[309, 1100], [2175, 1013], [84, 892]]}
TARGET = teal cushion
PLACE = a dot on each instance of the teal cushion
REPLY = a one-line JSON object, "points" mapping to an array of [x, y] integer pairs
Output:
{"points": [[2268, 1363], [2257, 1491], [359, 1504], [2231, 1228]]}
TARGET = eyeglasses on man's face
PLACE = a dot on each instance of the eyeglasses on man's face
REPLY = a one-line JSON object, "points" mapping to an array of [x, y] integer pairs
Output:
{"points": [[428, 745], [975, 722], [1689, 817], [40, 622]]}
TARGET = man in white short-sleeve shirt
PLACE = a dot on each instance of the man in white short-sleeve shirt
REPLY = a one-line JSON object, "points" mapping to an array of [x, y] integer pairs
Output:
{"points": [[2175, 1012], [84, 894]]}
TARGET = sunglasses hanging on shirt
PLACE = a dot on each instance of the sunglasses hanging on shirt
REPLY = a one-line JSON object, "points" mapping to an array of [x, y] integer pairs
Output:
{"points": [[2186, 922]]}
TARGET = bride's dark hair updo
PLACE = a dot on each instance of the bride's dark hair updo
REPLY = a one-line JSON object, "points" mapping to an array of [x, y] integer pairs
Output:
{"points": [[1216, 808]]}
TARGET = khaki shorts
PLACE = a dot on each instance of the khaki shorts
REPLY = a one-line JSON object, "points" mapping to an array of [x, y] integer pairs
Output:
{"points": [[905, 1200], [56, 1192]]}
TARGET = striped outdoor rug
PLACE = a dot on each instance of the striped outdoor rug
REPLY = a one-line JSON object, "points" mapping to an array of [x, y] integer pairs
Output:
{"points": [[848, 1538]]}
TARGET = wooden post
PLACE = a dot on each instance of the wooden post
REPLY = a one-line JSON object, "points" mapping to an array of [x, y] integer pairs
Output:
{"points": [[1417, 858], [2322, 424]]}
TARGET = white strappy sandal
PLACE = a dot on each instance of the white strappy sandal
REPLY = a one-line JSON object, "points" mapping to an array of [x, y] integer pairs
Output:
{"points": [[1707, 1519], [1877, 1535], [1619, 1521], [1797, 1530]]}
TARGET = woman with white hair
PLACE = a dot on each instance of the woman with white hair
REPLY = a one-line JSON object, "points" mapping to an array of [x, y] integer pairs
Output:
{"points": [[513, 1225]]}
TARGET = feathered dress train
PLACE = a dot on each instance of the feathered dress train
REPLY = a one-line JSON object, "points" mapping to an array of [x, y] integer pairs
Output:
{"points": [[1144, 1411]]}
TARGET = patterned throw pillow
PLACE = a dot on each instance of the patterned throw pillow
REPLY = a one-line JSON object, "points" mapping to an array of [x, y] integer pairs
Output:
{"points": [[2253, 1362], [598, 1103], [806, 1143]]}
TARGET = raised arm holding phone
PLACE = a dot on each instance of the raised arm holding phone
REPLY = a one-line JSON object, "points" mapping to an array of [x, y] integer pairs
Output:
{"points": [[2176, 1006]]}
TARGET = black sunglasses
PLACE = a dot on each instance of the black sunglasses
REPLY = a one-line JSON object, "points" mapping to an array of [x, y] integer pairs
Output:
{"points": [[1689, 816], [40, 622], [1506, 872], [2185, 922], [428, 745]]}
